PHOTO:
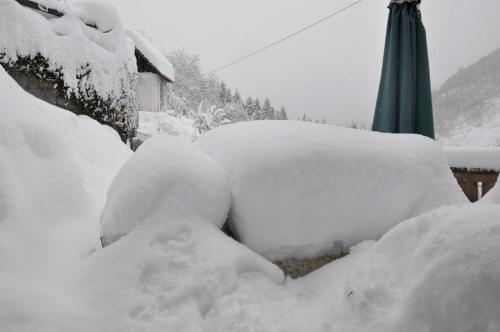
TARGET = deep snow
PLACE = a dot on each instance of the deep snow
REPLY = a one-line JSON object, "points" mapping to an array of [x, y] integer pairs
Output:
{"points": [[170, 177], [176, 271], [300, 189], [55, 168]]}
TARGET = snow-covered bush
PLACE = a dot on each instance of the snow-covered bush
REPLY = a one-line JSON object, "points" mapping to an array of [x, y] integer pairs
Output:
{"points": [[298, 187], [167, 177], [91, 70]]}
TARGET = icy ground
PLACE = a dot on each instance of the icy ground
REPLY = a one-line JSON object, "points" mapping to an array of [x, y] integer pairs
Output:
{"points": [[174, 270]]}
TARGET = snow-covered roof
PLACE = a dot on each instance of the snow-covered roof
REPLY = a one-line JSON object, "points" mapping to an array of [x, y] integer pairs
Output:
{"points": [[155, 57]]}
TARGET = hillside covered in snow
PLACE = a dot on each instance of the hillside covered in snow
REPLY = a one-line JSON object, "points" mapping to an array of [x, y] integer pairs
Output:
{"points": [[467, 106]]}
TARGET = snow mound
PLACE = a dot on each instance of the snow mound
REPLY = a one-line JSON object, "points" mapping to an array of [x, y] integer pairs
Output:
{"points": [[166, 275], [88, 59], [437, 272], [301, 189], [55, 168], [96, 13], [166, 176], [152, 124], [153, 54]]}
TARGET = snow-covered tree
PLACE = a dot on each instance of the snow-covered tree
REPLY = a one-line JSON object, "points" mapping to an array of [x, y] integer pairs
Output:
{"points": [[258, 115], [282, 114], [237, 97], [208, 101], [267, 110]]}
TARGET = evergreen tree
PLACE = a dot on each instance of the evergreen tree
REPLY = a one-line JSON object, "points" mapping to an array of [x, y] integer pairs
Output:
{"points": [[257, 110], [267, 110], [249, 108], [273, 114], [237, 97], [228, 97], [222, 95], [283, 115]]}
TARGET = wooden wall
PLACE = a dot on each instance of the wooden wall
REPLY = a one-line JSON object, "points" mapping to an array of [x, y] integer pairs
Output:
{"points": [[475, 183]]}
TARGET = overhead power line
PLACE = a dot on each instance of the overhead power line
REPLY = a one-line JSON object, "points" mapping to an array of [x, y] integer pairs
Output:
{"points": [[293, 34]]}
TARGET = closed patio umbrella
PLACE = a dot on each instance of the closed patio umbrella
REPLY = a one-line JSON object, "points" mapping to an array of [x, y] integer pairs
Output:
{"points": [[404, 102]]}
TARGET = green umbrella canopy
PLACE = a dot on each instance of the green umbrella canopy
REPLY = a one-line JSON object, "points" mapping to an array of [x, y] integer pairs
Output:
{"points": [[404, 103]]}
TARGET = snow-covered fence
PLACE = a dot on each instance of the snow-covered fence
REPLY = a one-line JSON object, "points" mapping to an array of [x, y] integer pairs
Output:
{"points": [[476, 169]]}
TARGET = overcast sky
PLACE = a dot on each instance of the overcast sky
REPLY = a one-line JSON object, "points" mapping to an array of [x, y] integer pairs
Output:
{"points": [[330, 71]]}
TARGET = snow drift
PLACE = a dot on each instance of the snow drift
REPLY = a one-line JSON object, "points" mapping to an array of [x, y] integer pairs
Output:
{"points": [[166, 274], [436, 272], [168, 260], [55, 168], [167, 175], [299, 189], [176, 271]]}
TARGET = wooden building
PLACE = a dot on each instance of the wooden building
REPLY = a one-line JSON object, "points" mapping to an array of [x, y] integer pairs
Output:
{"points": [[155, 72]]}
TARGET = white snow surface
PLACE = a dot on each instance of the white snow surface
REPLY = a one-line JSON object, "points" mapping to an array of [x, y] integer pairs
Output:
{"points": [[55, 168], [167, 175], [493, 196], [71, 46], [152, 53], [157, 123], [300, 189], [436, 272], [485, 158], [97, 13], [176, 271]]}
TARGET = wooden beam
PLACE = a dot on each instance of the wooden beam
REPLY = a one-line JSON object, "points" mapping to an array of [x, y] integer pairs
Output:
{"points": [[51, 11], [36, 6]]}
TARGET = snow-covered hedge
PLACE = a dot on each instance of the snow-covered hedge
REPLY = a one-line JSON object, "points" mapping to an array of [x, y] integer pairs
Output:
{"points": [[92, 69], [301, 189]]}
